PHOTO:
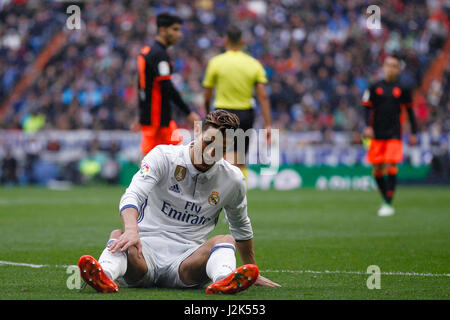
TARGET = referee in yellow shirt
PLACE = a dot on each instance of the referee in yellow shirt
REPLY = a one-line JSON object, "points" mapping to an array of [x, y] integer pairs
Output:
{"points": [[234, 74]]}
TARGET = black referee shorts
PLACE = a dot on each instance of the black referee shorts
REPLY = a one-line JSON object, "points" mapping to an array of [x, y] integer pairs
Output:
{"points": [[246, 117]]}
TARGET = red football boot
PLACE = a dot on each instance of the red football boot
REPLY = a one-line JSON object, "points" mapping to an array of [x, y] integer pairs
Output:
{"points": [[93, 274], [239, 280]]}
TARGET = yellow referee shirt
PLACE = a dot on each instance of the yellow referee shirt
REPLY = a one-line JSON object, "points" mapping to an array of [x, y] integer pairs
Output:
{"points": [[234, 75]]}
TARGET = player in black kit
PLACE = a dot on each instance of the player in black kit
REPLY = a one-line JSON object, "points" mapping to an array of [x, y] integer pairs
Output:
{"points": [[156, 90], [383, 103]]}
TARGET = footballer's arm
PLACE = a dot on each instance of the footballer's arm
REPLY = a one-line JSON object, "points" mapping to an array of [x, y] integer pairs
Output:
{"points": [[240, 228], [169, 90], [130, 236], [264, 101], [207, 96], [413, 123], [368, 108], [152, 168]]}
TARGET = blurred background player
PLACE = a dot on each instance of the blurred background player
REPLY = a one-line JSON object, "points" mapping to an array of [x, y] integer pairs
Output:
{"points": [[234, 74], [384, 101], [156, 90]]}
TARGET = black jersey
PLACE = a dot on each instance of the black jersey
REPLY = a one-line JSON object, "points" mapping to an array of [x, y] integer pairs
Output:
{"points": [[156, 91], [384, 101]]}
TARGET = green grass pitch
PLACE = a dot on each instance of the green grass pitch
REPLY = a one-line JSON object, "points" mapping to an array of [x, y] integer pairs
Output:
{"points": [[316, 244]]}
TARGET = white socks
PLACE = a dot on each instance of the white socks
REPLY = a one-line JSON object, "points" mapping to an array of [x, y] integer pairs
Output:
{"points": [[113, 264], [221, 262]]}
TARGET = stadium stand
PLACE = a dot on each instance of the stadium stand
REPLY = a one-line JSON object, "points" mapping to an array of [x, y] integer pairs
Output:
{"points": [[319, 57]]}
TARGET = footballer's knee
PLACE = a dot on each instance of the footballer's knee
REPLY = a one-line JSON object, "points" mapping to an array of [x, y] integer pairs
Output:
{"points": [[391, 169], [137, 267], [115, 234], [136, 258], [226, 238], [378, 171]]}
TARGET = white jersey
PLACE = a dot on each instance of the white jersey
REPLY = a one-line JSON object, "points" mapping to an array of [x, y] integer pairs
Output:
{"points": [[177, 202]]}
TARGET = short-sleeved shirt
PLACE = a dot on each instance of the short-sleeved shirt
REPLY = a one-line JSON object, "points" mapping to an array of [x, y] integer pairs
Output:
{"points": [[234, 75], [154, 66], [178, 203], [386, 100]]}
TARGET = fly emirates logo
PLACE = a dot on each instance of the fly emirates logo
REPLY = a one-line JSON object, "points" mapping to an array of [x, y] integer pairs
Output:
{"points": [[189, 215]]}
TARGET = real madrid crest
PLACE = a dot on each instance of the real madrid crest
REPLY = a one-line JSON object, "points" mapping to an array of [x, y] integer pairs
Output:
{"points": [[214, 198], [180, 173]]}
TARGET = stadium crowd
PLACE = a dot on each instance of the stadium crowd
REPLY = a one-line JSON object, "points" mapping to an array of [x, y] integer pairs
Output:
{"points": [[319, 57]]}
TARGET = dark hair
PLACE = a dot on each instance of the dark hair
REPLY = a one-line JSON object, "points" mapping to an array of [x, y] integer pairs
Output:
{"points": [[396, 56], [166, 20], [234, 34], [221, 119]]}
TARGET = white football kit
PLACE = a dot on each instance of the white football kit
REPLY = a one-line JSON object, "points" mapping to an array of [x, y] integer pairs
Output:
{"points": [[179, 206]]}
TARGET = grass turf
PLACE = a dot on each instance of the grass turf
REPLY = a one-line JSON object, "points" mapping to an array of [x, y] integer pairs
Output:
{"points": [[316, 244]]}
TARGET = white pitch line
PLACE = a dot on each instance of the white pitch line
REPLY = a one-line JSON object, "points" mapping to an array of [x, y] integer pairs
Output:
{"points": [[30, 265], [10, 263], [410, 274], [390, 273]]}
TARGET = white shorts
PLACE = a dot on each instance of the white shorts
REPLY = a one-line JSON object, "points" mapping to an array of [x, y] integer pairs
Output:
{"points": [[163, 258]]}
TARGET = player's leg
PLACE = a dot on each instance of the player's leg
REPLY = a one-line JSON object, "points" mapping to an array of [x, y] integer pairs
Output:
{"points": [[391, 170], [394, 155], [148, 140], [385, 209], [233, 158], [375, 156], [240, 149], [172, 134], [136, 267], [114, 264], [378, 175], [129, 265], [102, 274], [222, 261], [216, 260], [238, 154]]}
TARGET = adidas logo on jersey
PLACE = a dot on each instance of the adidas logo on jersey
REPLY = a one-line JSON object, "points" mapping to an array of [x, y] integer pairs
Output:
{"points": [[175, 188]]}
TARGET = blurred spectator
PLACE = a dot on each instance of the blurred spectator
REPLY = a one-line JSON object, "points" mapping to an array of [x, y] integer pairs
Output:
{"points": [[91, 164], [9, 168], [319, 56], [111, 168], [32, 150]]}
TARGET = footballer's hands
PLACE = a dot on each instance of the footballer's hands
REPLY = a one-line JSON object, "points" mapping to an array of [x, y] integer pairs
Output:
{"points": [[412, 140], [127, 239], [192, 117], [263, 281], [368, 132]]}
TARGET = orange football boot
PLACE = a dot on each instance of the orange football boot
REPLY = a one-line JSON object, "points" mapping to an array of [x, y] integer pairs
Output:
{"points": [[239, 280], [92, 273]]}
